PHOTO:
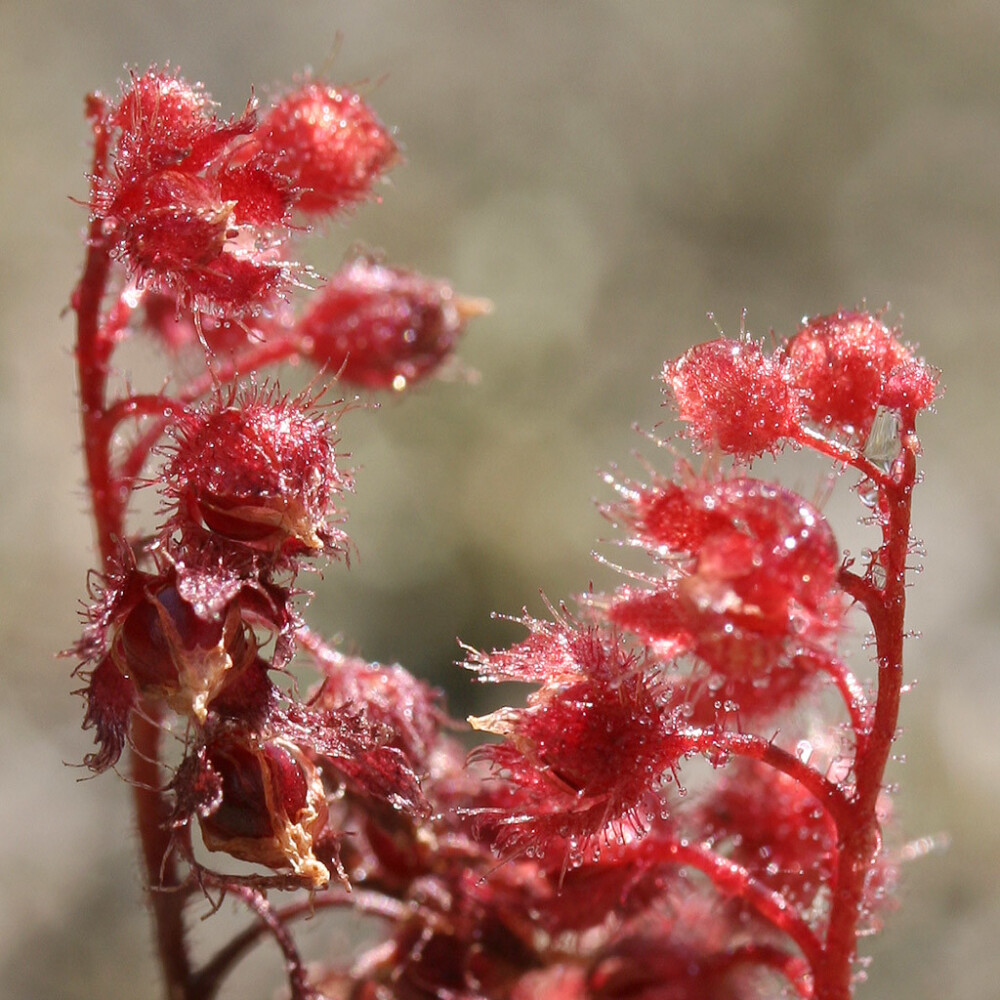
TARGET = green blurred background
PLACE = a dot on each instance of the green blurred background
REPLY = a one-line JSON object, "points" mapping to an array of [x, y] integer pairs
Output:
{"points": [[606, 173]]}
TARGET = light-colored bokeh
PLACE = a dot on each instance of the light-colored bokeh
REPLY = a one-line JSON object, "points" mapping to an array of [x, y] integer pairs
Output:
{"points": [[607, 173]]}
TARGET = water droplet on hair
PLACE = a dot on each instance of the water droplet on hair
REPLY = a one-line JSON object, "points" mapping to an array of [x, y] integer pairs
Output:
{"points": [[868, 493]]}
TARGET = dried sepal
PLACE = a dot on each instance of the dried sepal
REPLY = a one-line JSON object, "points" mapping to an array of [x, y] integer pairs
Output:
{"points": [[259, 800], [188, 645], [353, 749], [407, 709], [110, 699]]}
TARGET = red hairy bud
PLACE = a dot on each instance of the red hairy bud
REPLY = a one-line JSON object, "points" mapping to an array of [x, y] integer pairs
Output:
{"points": [[753, 585], [329, 144], [733, 397], [162, 119], [380, 327], [774, 827], [758, 555], [258, 472], [592, 743], [849, 364]]}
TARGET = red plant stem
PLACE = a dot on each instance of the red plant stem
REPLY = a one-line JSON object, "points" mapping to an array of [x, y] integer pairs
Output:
{"points": [[210, 977], [713, 744], [734, 880], [95, 340], [859, 837], [258, 904], [167, 894], [809, 438], [850, 690], [93, 353], [793, 967], [272, 351]]}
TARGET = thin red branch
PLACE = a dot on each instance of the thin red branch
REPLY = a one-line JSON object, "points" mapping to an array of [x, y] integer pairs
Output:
{"points": [[860, 836], [715, 744], [732, 879]]}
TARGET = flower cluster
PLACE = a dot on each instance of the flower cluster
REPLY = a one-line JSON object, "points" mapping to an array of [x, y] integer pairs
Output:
{"points": [[197, 620], [253, 489], [202, 212], [722, 647], [835, 373], [570, 858]]}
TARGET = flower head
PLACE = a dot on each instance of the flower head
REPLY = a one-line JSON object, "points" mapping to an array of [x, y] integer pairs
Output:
{"points": [[329, 144], [848, 364], [585, 754], [734, 397], [380, 327], [257, 473], [193, 207]]}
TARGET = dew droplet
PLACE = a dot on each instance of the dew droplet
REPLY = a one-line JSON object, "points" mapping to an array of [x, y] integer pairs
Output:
{"points": [[868, 493]]}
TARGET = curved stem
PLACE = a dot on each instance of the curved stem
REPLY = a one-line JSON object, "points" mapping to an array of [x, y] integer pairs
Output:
{"points": [[136, 407], [209, 979], [732, 879], [713, 743], [271, 922], [841, 453], [96, 336], [850, 690], [270, 352], [793, 967]]}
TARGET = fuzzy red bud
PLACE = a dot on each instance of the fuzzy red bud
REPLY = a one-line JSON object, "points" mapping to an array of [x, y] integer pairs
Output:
{"points": [[381, 327], [260, 473], [329, 144]]}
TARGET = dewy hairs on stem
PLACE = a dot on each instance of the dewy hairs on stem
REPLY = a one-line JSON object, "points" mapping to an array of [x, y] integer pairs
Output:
{"points": [[564, 860]]}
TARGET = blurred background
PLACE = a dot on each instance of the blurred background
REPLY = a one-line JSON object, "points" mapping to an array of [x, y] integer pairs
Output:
{"points": [[608, 174]]}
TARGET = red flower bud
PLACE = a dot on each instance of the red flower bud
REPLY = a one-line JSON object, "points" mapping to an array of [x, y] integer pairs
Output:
{"points": [[329, 144], [260, 473], [380, 328], [850, 364], [193, 204], [758, 554], [734, 397], [585, 754], [161, 118], [753, 584]]}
